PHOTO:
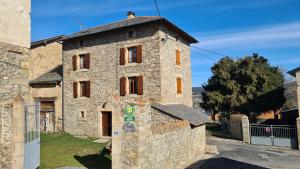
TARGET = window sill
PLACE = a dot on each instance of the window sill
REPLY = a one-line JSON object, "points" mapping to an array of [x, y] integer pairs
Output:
{"points": [[133, 95], [82, 98], [178, 66], [83, 70], [179, 95], [131, 64]]}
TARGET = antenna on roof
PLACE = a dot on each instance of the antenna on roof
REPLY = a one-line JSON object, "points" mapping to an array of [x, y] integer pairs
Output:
{"points": [[157, 8], [81, 25]]}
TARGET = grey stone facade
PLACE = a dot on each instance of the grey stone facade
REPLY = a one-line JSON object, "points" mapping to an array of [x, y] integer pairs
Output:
{"points": [[158, 69], [14, 71]]}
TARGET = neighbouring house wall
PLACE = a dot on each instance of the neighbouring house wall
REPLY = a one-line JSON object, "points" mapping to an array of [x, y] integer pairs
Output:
{"points": [[15, 22], [53, 92], [14, 72], [170, 71], [105, 73], [171, 144], [45, 58]]}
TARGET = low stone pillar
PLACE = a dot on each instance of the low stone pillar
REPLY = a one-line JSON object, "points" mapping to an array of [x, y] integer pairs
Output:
{"points": [[298, 131], [246, 129]]}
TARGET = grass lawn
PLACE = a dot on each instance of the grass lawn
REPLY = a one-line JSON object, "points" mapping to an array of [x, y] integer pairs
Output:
{"points": [[61, 149]]}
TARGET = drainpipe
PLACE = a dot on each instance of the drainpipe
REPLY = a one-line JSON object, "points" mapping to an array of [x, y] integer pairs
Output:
{"points": [[62, 91]]}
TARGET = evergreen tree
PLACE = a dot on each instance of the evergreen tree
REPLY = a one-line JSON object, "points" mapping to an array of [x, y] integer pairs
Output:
{"points": [[246, 85]]}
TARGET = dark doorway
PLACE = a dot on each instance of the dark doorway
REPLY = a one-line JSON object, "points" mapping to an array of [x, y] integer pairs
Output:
{"points": [[106, 124]]}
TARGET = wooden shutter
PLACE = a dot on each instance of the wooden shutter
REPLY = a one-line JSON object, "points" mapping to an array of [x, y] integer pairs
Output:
{"points": [[74, 61], [179, 85], [178, 58], [88, 89], [75, 90], [123, 86], [139, 54], [140, 85], [122, 56], [87, 61]]}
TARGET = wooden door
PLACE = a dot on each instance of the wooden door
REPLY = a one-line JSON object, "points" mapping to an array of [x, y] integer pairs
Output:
{"points": [[106, 124]]}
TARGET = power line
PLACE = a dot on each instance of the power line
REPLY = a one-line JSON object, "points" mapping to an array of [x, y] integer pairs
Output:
{"points": [[210, 51], [157, 8]]}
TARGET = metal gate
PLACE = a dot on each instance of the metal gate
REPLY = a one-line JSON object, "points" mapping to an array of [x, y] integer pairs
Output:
{"points": [[32, 137], [274, 135]]}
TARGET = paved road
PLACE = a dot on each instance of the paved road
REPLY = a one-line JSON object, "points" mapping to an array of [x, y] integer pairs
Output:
{"points": [[236, 155]]}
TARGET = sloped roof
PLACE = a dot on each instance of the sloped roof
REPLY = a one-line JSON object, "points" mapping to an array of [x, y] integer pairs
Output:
{"points": [[294, 71], [194, 116], [131, 22], [51, 77], [46, 41]]}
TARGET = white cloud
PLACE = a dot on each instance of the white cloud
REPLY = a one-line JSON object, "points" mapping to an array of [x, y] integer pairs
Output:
{"points": [[284, 35]]}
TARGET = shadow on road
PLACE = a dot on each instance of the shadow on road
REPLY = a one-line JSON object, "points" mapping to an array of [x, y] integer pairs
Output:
{"points": [[94, 161], [223, 163]]}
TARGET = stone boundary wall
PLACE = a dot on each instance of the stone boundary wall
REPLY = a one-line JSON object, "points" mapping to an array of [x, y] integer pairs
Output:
{"points": [[167, 146], [174, 145], [239, 127], [12, 134]]}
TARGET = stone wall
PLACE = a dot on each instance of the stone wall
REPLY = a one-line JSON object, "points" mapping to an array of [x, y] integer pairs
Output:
{"points": [[298, 98], [12, 134], [14, 72], [105, 73], [239, 127], [170, 71], [43, 59], [171, 145], [15, 22]]}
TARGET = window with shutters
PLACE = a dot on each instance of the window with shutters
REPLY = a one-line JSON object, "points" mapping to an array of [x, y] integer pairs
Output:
{"points": [[132, 55], [179, 85], [178, 58], [84, 61], [84, 87]]}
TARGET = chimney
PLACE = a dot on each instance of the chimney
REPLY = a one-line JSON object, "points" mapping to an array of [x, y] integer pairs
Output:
{"points": [[130, 15]]}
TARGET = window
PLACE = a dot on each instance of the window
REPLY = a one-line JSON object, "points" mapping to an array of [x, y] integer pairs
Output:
{"points": [[84, 88], [179, 85], [84, 61], [130, 34], [82, 114], [81, 61], [81, 43], [133, 85], [132, 54]]}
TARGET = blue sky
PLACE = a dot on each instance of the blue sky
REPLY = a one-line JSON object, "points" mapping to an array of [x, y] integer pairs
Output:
{"points": [[233, 27]]}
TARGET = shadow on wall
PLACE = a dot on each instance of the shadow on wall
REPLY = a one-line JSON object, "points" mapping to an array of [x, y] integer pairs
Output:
{"points": [[94, 161], [223, 163]]}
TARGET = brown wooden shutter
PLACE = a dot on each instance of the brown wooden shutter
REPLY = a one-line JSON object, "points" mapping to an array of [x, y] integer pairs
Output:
{"points": [[88, 89], [75, 93], [74, 61], [123, 86], [122, 56], [178, 62], [87, 61], [179, 85], [140, 85], [139, 54]]}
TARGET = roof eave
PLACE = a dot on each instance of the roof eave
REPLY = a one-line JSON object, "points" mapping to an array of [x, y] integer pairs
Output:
{"points": [[294, 71]]}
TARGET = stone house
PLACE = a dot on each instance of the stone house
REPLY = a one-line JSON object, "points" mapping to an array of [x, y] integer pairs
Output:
{"points": [[46, 81], [131, 81], [142, 57], [296, 73]]}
